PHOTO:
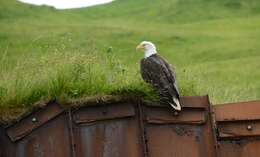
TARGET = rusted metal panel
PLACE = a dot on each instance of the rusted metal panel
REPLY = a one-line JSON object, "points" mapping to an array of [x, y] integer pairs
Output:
{"points": [[134, 129], [108, 137], [50, 140], [188, 134], [115, 138], [33, 121], [186, 102], [229, 149], [174, 140], [165, 115], [239, 148], [237, 111], [238, 119], [239, 129], [141, 118], [180, 140], [6, 145], [97, 113]]}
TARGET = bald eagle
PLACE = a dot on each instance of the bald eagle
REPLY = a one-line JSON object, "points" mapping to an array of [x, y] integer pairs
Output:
{"points": [[156, 71]]}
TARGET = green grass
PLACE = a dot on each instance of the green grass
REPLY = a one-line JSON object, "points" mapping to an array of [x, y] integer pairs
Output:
{"points": [[214, 45]]}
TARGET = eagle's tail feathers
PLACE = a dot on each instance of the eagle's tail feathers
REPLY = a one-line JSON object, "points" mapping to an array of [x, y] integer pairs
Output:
{"points": [[177, 106]]}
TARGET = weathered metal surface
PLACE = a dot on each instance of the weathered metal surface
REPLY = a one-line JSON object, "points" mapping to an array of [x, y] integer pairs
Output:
{"points": [[238, 129], [7, 146], [238, 111], [188, 134], [137, 129], [72, 136], [50, 140], [33, 121], [166, 116], [97, 113], [108, 137], [186, 102], [142, 129], [241, 148], [177, 141]]}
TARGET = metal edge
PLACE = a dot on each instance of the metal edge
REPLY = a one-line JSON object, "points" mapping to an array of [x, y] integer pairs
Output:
{"points": [[37, 110]]}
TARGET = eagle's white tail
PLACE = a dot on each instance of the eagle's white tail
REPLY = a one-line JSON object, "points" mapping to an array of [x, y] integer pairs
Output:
{"points": [[178, 105]]}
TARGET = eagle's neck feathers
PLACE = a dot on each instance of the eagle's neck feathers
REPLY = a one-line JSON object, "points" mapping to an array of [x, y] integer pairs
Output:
{"points": [[149, 53]]}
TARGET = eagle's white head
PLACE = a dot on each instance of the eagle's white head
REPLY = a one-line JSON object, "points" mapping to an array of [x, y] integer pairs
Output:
{"points": [[148, 48]]}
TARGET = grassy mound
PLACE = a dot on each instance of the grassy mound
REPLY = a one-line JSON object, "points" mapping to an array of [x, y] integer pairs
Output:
{"points": [[47, 53]]}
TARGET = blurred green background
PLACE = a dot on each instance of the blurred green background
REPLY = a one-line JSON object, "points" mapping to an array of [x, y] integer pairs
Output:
{"points": [[44, 52]]}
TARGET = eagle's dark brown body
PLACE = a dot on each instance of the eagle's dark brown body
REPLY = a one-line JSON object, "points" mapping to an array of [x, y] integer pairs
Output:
{"points": [[156, 71]]}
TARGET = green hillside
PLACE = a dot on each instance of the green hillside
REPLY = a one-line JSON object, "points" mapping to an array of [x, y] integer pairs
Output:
{"points": [[214, 45]]}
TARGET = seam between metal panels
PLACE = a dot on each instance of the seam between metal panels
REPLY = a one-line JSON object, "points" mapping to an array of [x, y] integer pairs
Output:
{"points": [[73, 144], [143, 130], [212, 123]]}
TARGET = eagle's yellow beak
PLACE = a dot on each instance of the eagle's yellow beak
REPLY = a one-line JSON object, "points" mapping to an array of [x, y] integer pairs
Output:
{"points": [[140, 47]]}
